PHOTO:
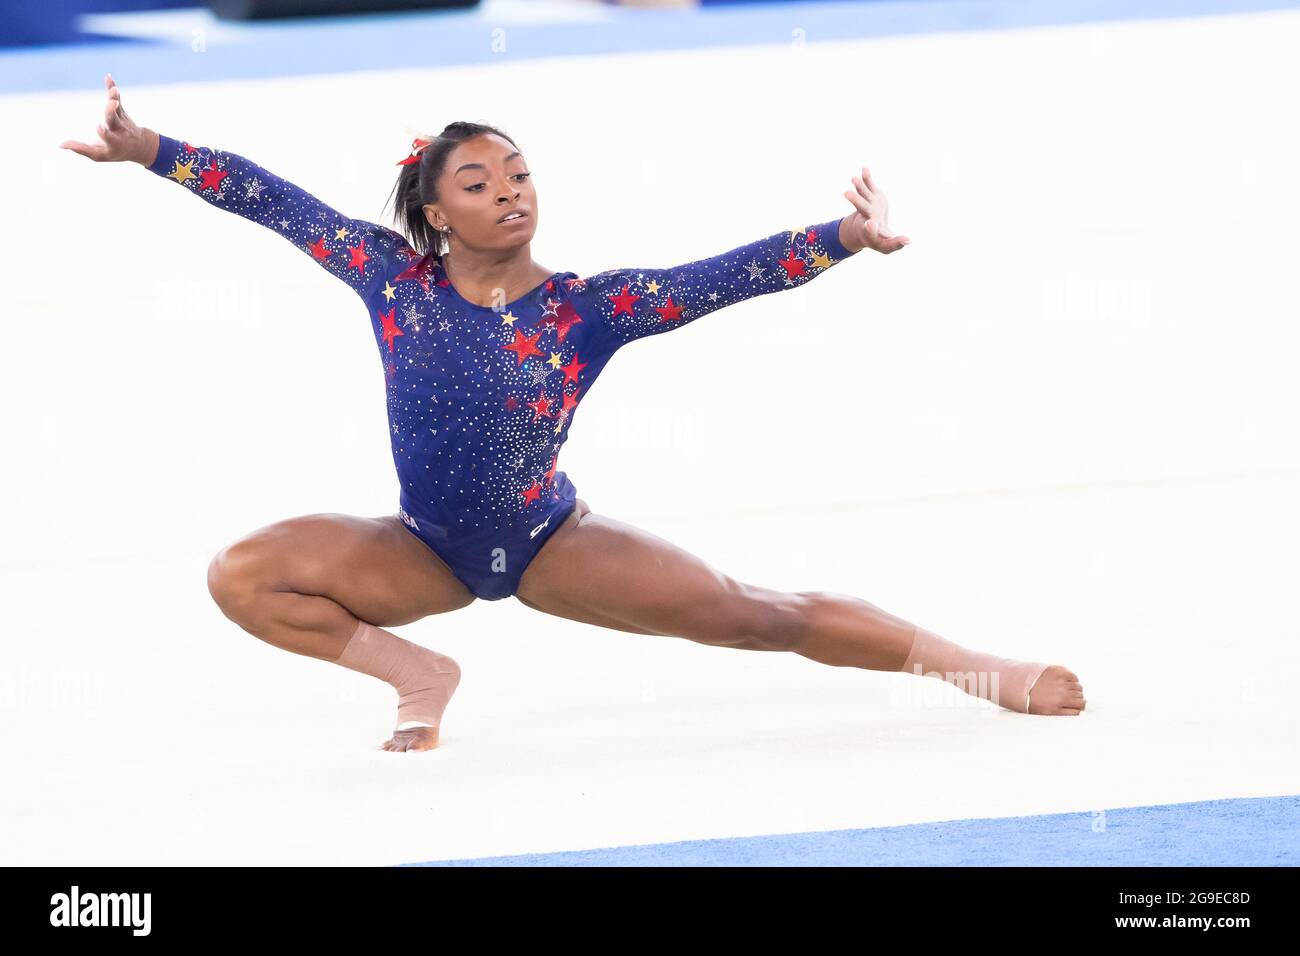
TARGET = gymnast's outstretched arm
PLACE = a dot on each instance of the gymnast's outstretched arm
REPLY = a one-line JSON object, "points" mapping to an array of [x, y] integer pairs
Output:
{"points": [[634, 303], [356, 251]]}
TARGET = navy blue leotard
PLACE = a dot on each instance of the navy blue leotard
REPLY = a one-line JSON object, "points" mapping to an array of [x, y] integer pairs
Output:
{"points": [[480, 399]]}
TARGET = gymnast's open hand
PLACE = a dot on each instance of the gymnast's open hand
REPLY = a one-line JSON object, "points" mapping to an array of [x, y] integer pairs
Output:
{"points": [[868, 226], [122, 139]]}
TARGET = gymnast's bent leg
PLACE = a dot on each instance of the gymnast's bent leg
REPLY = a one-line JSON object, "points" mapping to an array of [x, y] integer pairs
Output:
{"points": [[605, 572], [326, 586]]}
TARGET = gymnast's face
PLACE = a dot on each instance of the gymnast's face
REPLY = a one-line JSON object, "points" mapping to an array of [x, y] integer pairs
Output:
{"points": [[485, 179]]}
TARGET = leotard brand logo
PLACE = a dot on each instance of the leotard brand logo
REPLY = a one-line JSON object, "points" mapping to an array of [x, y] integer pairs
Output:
{"points": [[533, 533], [401, 513], [102, 909]]}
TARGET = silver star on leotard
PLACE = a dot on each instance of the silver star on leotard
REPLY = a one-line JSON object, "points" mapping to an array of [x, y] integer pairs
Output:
{"points": [[755, 270]]}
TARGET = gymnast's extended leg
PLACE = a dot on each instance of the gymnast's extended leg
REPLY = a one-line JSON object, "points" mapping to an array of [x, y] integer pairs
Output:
{"points": [[602, 571], [326, 586]]}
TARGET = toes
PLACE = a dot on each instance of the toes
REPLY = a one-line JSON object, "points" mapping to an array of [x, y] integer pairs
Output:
{"points": [[409, 739]]}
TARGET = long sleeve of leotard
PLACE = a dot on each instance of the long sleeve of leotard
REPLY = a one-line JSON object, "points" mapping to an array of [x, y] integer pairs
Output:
{"points": [[356, 251], [634, 303]]}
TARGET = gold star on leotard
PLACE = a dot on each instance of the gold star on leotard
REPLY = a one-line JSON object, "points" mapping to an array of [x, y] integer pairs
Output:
{"points": [[554, 360], [183, 171], [389, 292], [340, 232], [822, 261], [509, 319], [652, 286], [795, 232]]}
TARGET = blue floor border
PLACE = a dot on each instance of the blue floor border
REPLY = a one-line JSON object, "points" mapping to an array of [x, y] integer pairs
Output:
{"points": [[333, 45], [1246, 831]]}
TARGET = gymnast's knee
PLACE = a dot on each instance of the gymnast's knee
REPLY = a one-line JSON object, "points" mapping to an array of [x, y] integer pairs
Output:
{"points": [[238, 578]]}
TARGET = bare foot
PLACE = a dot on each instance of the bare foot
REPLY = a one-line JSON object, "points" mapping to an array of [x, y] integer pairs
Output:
{"points": [[413, 738], [1057, 693]]}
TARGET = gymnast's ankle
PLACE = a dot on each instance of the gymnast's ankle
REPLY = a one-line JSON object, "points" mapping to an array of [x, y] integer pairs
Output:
{"points": [[423, 678]]}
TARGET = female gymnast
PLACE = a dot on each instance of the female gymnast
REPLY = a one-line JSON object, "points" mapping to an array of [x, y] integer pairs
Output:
{"points": [[487, 356]]}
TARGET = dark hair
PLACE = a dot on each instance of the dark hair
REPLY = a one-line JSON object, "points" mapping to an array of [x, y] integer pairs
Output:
{"points": [[417, 184]]}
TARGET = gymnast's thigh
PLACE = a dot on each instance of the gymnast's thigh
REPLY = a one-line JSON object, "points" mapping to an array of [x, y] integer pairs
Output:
{"points": [[606, 572], [374, 567]]}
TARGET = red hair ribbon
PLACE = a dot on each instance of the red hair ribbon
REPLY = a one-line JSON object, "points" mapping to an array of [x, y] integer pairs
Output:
{"points": [[417, 147]]}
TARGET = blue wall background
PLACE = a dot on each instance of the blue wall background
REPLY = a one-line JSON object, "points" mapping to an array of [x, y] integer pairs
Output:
{"points": [[41, 22], [44, 22]]}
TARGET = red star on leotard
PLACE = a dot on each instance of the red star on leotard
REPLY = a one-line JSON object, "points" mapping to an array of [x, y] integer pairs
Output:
{"points": [[794, 266], [541, 407], [391, 331], [550, 474], [566, 317], [623, 301], [212, 178], [318, 249], [511, 403], [523, 346], [572, 369], [359, 257], [669, 312], [419, 271], [530, 494]]}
